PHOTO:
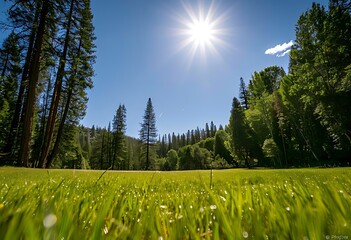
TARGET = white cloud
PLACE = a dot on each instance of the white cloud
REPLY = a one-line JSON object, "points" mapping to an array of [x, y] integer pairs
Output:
{"points": [[280, 50], [284, 53]]}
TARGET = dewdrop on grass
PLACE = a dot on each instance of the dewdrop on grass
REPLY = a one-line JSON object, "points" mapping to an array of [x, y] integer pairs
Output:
{"points": [[105, 230], [50, 220]]}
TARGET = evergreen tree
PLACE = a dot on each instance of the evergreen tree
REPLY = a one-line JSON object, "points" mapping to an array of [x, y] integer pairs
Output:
{"points": [[207, 129], [175, 144], [119, 146], [148, 133], [162, 152], [243, 95], [213, 129], [188, 137], [182, 140], [197, 135], [170, 146], [192, 138], [50, 125], [81, 58]]}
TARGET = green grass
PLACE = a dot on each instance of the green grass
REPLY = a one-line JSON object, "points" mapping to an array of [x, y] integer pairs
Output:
{"points": [[243, 204]]}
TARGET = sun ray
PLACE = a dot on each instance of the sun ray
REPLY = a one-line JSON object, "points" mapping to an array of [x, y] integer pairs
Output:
{"points": [[201, 30]]}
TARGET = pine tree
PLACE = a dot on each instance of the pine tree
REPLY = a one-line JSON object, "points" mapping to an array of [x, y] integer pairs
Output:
{"points": [[188, 137], [175, 144], [207, 129], [197, 135], [50, 125], [243, 95], [170, 145], [119, 146], [162, 148], [79, 74], [213, 129], [192, 138], [182, 140], [148, 132]]}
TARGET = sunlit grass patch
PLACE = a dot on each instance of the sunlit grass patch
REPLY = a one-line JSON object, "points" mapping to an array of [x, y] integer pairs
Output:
{"points": [[242, 204]]}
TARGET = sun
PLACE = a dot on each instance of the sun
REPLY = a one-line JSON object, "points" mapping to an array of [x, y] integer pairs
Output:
{"points": [[201, 32], [201, 29]]}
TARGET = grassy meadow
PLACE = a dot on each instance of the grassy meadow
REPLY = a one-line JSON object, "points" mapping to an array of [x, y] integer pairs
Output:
{"points": [[242, 204]]}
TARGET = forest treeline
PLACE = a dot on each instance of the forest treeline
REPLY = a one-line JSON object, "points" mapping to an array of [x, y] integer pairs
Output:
{"points": [[279, 119], [98, 148]]}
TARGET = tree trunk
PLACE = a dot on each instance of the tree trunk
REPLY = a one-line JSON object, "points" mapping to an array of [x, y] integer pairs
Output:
{"points": [[36, 162], [33, 77], [54, 151], [8, 148], [56, 95]]}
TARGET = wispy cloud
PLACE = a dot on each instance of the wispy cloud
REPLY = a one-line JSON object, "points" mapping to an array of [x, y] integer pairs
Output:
{"points": [[280, 50], [284, 53]]}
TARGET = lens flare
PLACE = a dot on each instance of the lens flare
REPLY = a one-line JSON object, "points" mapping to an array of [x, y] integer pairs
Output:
{"points": [[201, 30]]}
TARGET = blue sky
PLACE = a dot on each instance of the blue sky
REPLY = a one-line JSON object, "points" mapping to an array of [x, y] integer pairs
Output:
{"points": [[137, 59]]}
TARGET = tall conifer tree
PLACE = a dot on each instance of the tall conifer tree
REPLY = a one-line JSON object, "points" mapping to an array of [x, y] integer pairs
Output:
{"points": [[148, 132], [119, 146], [243, 94]]}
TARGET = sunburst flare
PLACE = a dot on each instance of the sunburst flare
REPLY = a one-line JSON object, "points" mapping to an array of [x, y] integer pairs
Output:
{"points": [[201, 30]]}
